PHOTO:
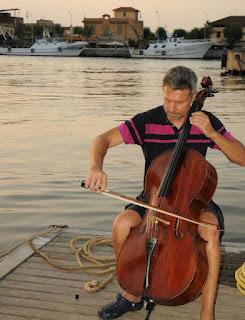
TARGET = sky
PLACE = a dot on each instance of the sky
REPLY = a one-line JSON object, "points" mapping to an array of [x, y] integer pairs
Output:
{"points": [[172, 14]]}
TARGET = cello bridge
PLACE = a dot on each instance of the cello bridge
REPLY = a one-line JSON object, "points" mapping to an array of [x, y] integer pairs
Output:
{"points": [[178, 234]]}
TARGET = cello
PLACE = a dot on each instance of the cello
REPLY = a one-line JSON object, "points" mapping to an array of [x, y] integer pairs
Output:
{"points": [[166, 261]]}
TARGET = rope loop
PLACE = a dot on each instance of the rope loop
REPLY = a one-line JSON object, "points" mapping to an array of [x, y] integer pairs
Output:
{"points": [[87, 261], [240, 278]]}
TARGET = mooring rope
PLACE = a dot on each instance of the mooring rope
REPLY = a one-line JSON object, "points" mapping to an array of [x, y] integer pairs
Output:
{"points": [[240, 278], [50, 229], [99, 265]]}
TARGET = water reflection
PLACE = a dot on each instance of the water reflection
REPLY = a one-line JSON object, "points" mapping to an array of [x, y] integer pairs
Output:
{"points": [[233, 83], [51, 109]]}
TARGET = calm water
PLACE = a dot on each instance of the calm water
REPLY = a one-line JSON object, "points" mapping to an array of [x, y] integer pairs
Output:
{"points": [[51, 109]]}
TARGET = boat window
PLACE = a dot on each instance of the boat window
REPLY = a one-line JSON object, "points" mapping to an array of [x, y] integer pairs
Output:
{"points": [[163, 46], [175, 40], [155, 46]]}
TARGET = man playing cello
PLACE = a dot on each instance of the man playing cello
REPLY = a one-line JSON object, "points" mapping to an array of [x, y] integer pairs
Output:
{"points": [[156, 131]]}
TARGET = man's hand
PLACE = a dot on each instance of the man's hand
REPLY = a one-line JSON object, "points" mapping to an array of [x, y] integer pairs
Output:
{"points": [[202, 122], [97, 179]]}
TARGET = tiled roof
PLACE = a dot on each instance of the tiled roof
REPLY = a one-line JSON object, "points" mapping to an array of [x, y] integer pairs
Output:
{"points": [[125, 9], [231, 20]]}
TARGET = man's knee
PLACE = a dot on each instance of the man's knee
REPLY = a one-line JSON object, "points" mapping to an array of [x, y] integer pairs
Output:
{"points": [[210, 235], [126, 220], [121, 227]]}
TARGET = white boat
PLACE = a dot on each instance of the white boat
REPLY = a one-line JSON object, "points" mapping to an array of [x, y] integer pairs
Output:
{"points": [[174, 48], [48, 47]]}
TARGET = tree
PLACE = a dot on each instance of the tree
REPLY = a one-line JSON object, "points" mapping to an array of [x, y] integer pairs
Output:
{"points": [[207, 29], [88, 31], [195, 33], [148, 34], [78, 30], [57, 30], [161, 33], [19, 30], [233, 33], [180, 33], [37, 30]]}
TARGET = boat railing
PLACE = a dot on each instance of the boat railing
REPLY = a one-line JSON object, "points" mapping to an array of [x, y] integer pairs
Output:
{"points": [[178, 39], [197, 40]]}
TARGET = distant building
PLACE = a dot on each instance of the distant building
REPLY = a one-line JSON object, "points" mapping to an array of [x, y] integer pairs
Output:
{"points": [[124, 26], [235, 60], [68, 31], [45, 23], [8, 23], [218, 27]]}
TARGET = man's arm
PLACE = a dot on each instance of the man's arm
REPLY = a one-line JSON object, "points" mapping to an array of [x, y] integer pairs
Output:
{"points": [[97, 179], [233, 149]]}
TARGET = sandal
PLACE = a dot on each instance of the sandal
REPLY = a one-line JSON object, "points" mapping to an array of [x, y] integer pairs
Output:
{"points": [[115, 309]]}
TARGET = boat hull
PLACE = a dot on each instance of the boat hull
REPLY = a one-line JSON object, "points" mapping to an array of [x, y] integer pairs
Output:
{"points": [[28, 52], [186, 51]]}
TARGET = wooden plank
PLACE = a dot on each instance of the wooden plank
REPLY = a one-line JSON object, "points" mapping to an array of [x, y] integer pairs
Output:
{"points": [[20, 254], [92, 299], [12, 317], [226, 274], [73, 231], [189, 311], [71, 307], [32, 313], [39, 264], [56, 282], [57, 274], [65, 299], [49, 288], [38, 261]]}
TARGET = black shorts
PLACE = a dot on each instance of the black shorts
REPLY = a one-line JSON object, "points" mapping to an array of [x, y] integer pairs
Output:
{"points": [[213, 207]]}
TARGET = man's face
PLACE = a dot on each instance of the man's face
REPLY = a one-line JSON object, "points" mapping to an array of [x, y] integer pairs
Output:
{"points": [[176, 102]]}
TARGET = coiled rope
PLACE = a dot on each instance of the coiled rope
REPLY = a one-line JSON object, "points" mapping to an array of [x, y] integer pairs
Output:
{"points": [[240, 278], [99, 265]]}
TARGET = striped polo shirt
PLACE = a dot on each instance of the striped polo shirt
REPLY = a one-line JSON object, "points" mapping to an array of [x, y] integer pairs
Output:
{"points": [[155, 134]]}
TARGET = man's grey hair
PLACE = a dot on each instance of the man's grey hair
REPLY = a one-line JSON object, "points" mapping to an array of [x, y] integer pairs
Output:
{"points": [[179, 78]]}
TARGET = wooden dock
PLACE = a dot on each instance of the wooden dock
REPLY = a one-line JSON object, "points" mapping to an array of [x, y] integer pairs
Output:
{"points": [[30, 288]]}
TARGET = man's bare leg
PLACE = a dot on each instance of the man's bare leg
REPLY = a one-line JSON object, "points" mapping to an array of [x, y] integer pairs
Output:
{"points": [[121, 229], [209, 292]]}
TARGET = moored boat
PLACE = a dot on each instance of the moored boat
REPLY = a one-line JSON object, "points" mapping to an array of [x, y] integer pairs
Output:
{"points": [[48, 47], [174, 48]]}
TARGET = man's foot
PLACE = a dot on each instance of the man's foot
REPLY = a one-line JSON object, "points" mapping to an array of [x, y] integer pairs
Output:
{"points": [[115, 309]]}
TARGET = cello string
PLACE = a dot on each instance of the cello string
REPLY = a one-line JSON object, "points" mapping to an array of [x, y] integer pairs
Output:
{"points": [[174, 160]]}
